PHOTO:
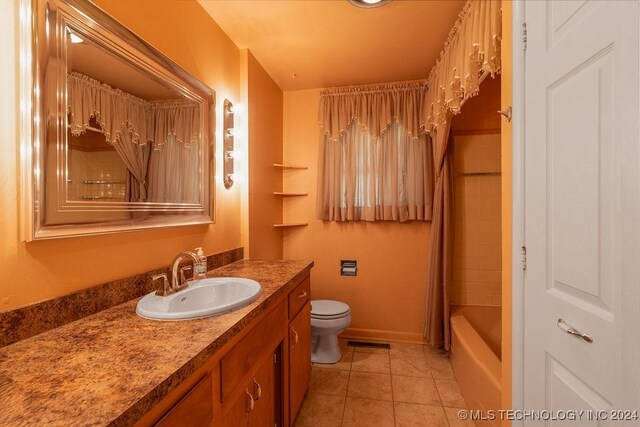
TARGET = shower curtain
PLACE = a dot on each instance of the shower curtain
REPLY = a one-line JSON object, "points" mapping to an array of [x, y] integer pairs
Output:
{"points": [[470, 54], [440, 272]]}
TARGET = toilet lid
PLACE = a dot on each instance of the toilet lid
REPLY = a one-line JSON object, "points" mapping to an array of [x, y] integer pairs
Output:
{"points": [[328, 308]]}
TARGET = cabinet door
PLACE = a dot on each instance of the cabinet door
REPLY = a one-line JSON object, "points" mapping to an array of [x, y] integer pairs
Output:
{"points": [[194, 409], [256, 405], [299, 359]]}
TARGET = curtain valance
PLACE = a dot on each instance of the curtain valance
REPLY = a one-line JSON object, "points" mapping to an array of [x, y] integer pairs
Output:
{"points": [[376, 157], [179, 119], [115, 110], [375, 107], [112, 109], [471, 52]]}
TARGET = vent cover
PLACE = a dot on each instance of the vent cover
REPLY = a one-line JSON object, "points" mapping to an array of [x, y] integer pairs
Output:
{"points": [[366, 344]]}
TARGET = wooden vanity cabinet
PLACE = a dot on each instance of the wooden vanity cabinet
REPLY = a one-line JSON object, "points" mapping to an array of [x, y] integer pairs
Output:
{"points": [[299, 359], [195, 409], [257, 404], [258, 379], [299, 346]]}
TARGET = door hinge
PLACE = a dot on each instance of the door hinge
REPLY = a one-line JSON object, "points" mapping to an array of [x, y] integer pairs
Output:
{"points": [[275, 358], [523, 254], [524, 36]]}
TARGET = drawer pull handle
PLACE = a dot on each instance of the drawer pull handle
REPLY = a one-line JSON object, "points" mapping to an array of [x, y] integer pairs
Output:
{"points": [[258, 389], [302, 295], [250, 401], [295, 336]]}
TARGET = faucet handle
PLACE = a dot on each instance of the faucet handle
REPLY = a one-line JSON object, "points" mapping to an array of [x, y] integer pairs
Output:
{"points": [[166, 289], [183, 280]]}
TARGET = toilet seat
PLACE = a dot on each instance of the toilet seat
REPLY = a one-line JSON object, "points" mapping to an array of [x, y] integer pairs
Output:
{"points": [[336, 317], [329, 310]]}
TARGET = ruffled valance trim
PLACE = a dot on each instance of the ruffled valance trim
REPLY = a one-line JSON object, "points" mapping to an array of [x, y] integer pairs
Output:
{"points": [[114, 110], [471, 53], [374, 107]]}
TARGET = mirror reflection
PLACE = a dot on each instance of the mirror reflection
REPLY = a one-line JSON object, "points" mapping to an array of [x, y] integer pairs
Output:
{"points": [[130, 137]]}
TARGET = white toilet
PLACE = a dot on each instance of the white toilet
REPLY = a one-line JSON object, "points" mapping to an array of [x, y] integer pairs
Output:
{"points": [[328, 319]]}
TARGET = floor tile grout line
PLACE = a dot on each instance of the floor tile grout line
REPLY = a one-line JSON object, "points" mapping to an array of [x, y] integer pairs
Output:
{"points": [[393, 398], [344, 408]]}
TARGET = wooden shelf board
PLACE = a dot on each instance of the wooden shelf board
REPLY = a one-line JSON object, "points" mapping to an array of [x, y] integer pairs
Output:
{"points": [[278, 165], [284, 194], [298, 224]]}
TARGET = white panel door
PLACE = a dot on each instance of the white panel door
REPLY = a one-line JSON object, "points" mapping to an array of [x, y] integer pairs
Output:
{"points": [[581, 206]]}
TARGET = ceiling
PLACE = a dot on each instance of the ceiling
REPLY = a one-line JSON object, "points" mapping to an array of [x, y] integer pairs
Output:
{"points": [[97, 63], [307, 44]]}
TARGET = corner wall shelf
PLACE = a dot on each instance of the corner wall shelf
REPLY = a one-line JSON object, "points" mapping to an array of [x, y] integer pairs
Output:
{"points": [[283, 194], [283, 166]]}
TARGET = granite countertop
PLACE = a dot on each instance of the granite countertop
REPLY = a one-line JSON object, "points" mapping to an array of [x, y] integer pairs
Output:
{"points": [[113, 366]]}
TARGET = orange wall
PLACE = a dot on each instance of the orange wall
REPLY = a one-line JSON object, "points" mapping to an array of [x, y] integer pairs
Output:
{"points": [[507, 171], [265, 149], [387, 296], [41, 270]]}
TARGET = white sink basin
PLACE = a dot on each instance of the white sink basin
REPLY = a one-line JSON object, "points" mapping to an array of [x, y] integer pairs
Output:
{"points": [[203, 298]]}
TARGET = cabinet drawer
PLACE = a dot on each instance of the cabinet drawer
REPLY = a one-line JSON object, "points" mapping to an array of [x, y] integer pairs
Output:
{"points": [[299, 296], [194, 409], [242, 358]]}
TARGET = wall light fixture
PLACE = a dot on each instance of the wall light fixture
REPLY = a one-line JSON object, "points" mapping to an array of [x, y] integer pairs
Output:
{"points": [[228, 133], [368, 4]]}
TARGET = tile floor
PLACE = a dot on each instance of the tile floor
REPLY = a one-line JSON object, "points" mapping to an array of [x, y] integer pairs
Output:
{"points": [[408, 385]]}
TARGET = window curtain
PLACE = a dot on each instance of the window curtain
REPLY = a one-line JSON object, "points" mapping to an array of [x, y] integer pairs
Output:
{"points": [[177, 119], [375, 159], [113, 109], [471, 53], [136, 160], [175, 167]]}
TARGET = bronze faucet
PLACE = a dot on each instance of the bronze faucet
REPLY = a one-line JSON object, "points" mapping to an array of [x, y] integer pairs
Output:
{"points": [[178, 283]]}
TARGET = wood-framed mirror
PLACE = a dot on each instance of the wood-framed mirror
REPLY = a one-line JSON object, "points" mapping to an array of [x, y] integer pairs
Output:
{"points": [[115, 135]]}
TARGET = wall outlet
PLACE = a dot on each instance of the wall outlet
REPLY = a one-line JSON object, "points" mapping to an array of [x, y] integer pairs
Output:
{"points": [[348, 267]]}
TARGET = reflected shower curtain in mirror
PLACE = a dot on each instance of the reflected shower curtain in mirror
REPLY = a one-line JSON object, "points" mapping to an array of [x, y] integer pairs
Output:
{"points": [[375, 161]]}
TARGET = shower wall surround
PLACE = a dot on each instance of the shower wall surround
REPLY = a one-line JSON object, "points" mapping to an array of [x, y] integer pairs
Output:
{"points": [[477, 247]]}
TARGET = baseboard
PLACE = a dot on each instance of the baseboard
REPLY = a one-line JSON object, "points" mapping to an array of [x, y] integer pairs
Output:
{"points": [[382, 336]]}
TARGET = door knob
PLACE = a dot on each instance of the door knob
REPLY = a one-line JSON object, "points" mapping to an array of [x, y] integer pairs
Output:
{"points": [[571, 331]]}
